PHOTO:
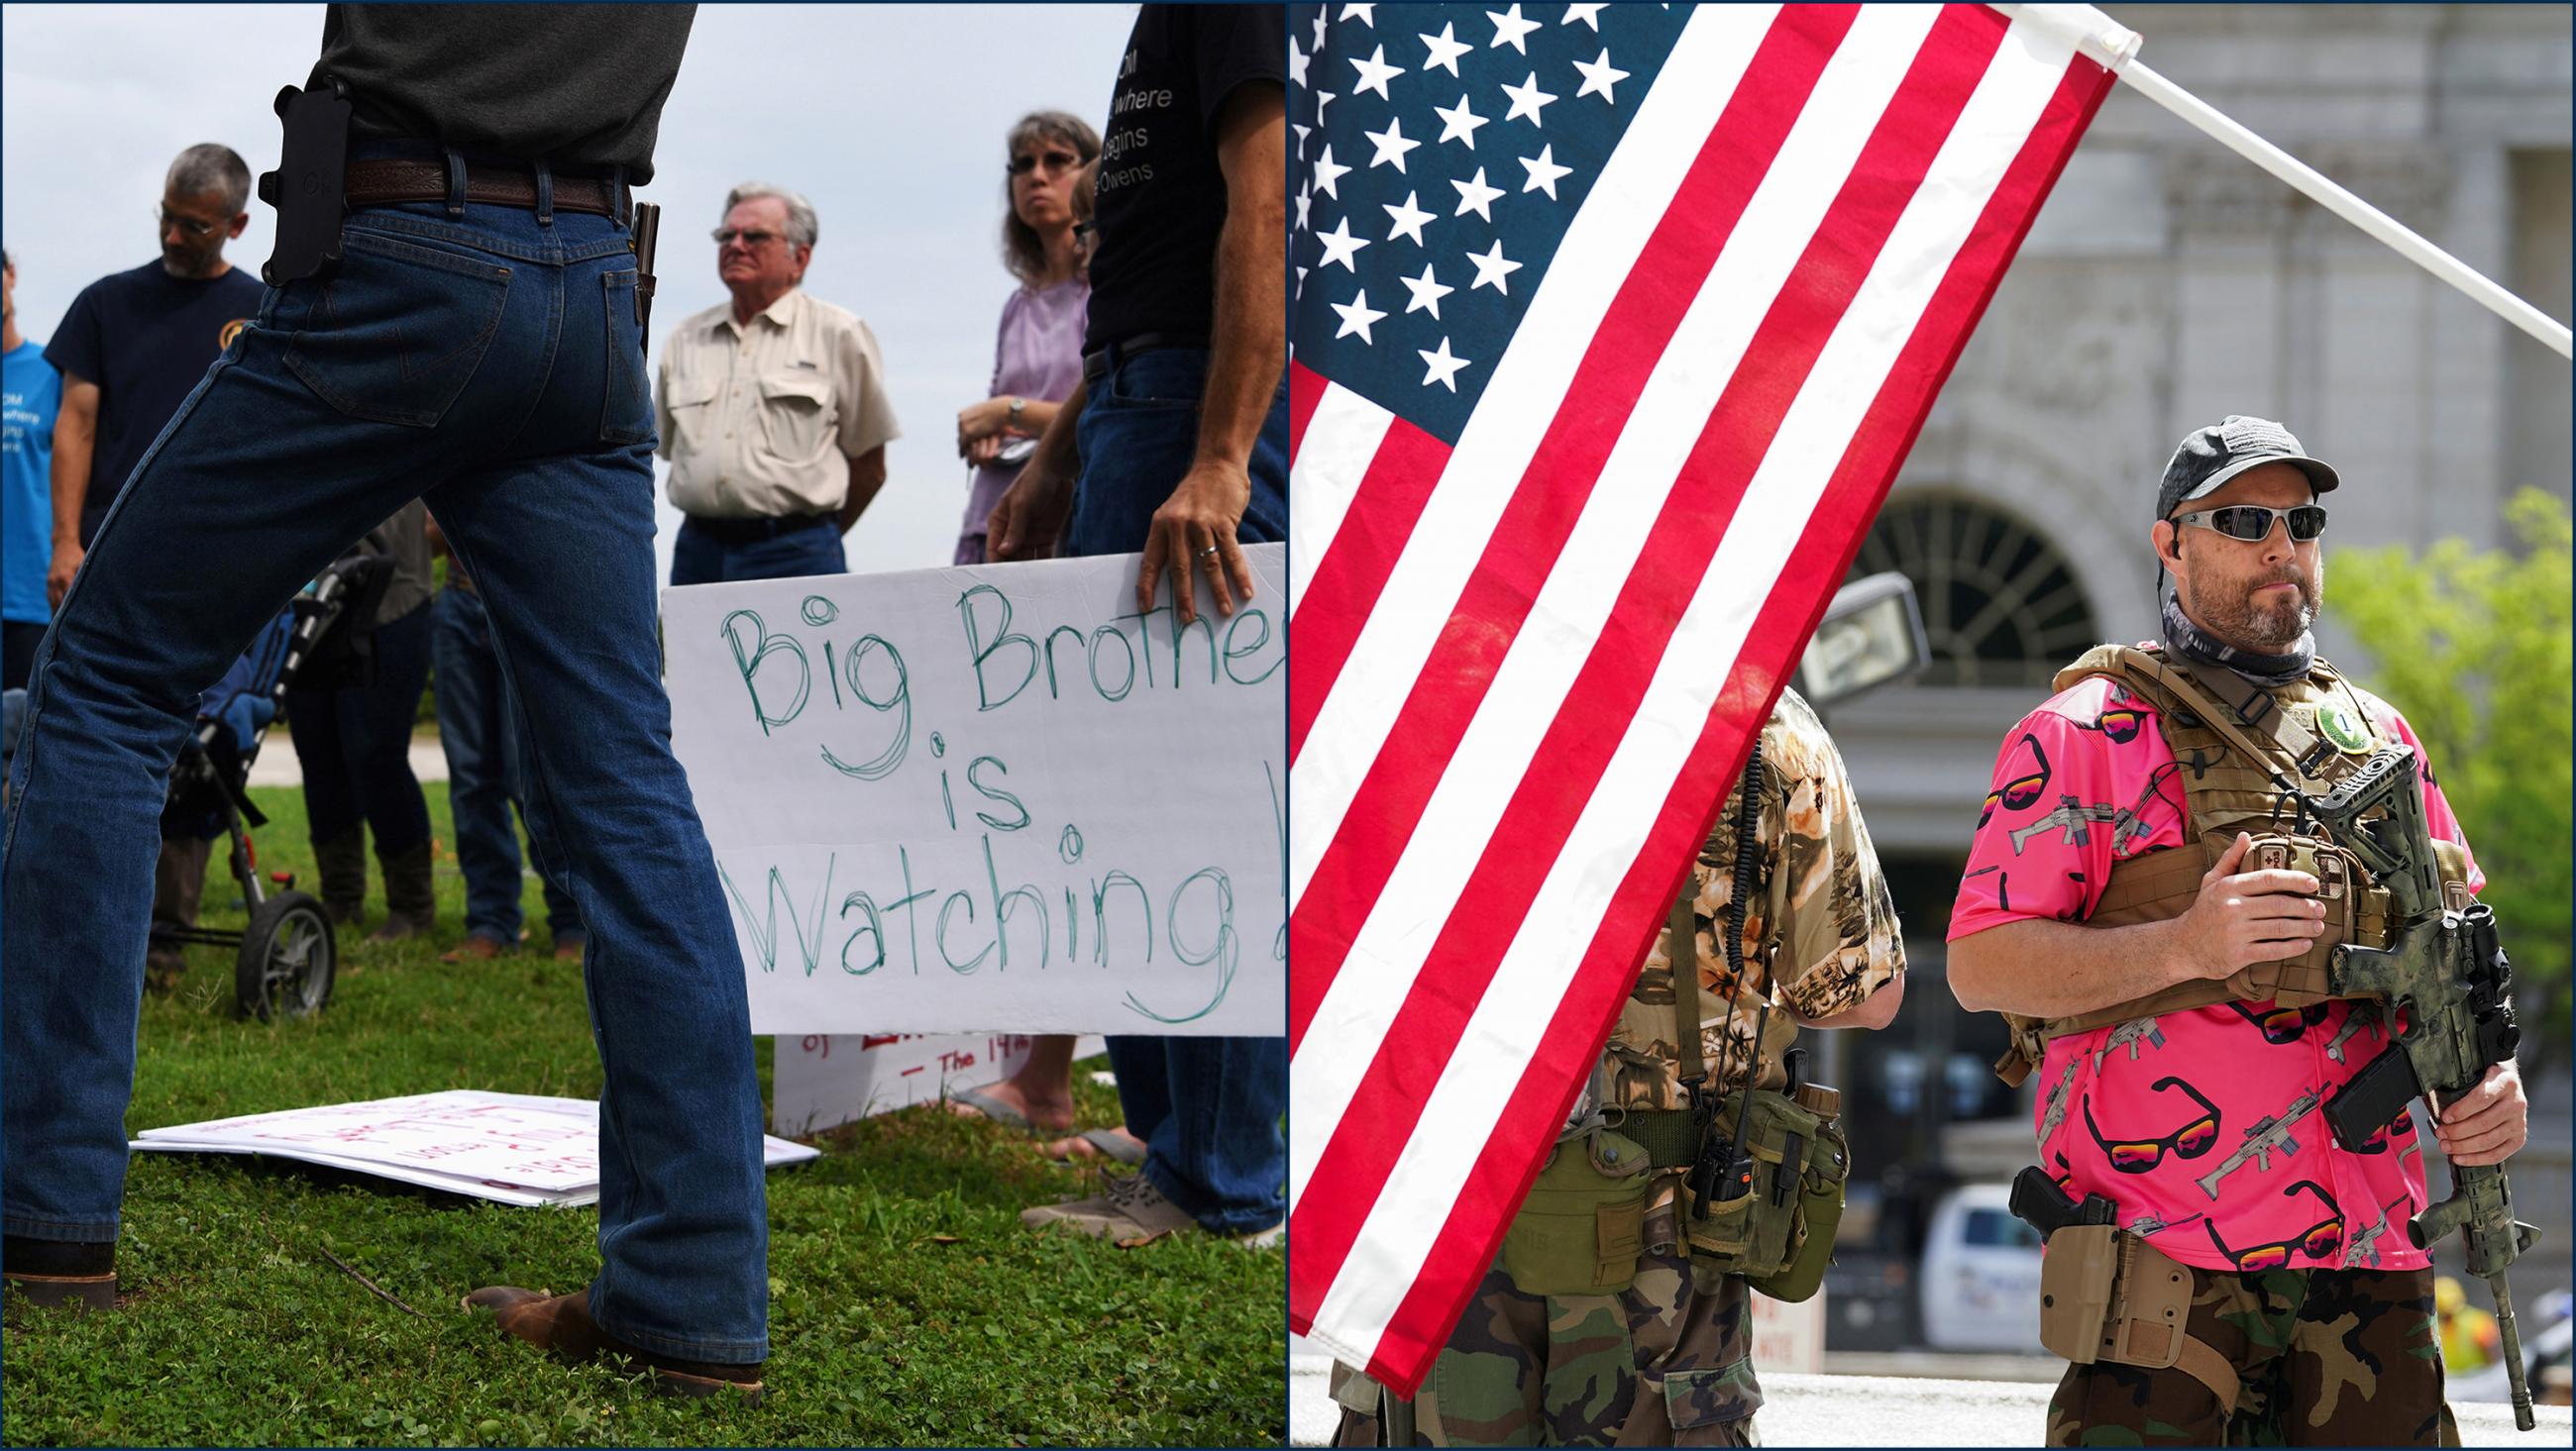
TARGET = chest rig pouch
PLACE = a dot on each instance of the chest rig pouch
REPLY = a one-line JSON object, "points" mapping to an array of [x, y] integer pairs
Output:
{"points": [[2242, 762], [1765, 1189]]}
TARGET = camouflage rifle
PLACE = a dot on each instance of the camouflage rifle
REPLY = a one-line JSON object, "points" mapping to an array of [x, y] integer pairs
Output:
{"points": [[2126, 1036], [2268, 1136], [2447, 970], [2071, 816]]}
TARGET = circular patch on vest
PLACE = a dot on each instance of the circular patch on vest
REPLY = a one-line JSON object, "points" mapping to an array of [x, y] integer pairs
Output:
{"points": [[2343, 728]]}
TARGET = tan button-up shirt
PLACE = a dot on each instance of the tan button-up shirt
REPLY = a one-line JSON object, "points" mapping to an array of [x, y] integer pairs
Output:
{"points": [[760, 421]]}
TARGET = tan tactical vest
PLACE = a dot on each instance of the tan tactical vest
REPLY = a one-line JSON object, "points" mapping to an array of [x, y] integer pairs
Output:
{"points": [[2233, 779]]}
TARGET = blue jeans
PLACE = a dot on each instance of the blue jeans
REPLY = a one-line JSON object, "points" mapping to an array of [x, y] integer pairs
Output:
{"points": [[493, 359], [1208, 1109], [479, 729], [698, 557], [354, 745]]}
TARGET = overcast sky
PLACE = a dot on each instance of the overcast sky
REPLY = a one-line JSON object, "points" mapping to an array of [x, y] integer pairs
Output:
{"points": [[889, 117]]}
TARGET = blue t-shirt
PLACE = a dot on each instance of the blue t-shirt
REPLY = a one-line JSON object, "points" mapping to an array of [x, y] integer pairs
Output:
{"points": [[31, 391], [145, 338]]}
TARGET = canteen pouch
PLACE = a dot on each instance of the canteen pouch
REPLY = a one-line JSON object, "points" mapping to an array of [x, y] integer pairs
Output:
{"points": [[2075, 1283], [1818, 1202], [1757, 1234], [1583, 1225]]}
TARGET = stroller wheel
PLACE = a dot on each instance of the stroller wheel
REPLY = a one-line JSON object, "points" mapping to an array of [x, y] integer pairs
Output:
{"points": [[288, 957]]}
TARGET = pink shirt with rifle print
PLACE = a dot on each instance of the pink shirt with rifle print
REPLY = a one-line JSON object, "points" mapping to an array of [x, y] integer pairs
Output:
{"points": [[2203, 1126]]}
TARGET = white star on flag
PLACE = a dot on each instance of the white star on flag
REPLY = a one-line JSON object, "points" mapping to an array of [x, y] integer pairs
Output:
{"points": [[1340, 246], [1588, 14], [1301, 282], [1459, 124], [1322, 99], [1600, 76], [1296, 63], [1390, 143], [1427, 291], [1374, 73], [1356, 317], [1527, 99], [1446, 47], [1305, 204], [1365, 14], [1319, 29], [1408, 220], [1543, 171], [1491, 269], [1444, 365], [1327, 174], [1475, 196], [1508, 29]]}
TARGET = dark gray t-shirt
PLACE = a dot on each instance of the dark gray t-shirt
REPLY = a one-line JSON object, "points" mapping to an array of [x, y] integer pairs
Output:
{"points": [[576, 85]]}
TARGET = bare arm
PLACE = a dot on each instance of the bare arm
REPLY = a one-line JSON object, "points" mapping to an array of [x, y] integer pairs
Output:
{"points": [[1873, 1012], [2240, 918], [1195, 526], [1031, 513], [75, 445], [867, 475]]}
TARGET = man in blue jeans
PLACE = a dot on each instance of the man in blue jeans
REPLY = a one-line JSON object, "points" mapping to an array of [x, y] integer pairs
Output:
{"points": [[1182, 422], [530, 429], [479, 730]]}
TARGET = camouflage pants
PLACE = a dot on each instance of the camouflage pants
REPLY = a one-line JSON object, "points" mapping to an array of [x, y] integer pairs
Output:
{"points": [[1667, 1362], [2328, 1358]]}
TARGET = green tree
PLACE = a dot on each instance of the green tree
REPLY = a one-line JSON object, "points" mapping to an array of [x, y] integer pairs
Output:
{"points": [[2474, 646]]}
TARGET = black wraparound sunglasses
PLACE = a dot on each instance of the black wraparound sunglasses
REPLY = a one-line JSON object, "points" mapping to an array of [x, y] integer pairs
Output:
{"points": [[2250, 522]]}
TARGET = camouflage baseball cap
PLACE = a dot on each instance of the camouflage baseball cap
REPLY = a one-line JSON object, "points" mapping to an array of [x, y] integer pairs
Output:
{"points": [[2213, 455]]}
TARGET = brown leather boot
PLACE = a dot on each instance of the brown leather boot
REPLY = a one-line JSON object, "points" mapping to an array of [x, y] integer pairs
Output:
{"points": [[561, 1325], [59, 1273], [341, 864], [411, 901]]}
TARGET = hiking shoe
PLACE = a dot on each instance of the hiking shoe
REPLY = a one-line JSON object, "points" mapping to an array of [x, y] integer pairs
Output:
{"points": [[60, 1273], [561, 1325], [1131, 1211]]}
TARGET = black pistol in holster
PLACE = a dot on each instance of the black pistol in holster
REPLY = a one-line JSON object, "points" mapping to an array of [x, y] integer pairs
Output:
{"points": [[645, 233], [2444, 977], [308, 187], [2039, 1202]]}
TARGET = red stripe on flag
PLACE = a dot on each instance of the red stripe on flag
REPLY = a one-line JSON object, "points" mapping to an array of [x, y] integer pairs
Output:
{"points": [[1305, 390], [1605, 696], [1549, 497], [1355, 566]]}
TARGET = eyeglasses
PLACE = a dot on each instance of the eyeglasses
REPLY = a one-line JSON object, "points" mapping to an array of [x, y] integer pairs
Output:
{"points": [[2022, 790], [2251, 522], [2322, 1240], [2137, 1156], [2282, 1026], [1026, 162], [725, 236], [189, 225]]}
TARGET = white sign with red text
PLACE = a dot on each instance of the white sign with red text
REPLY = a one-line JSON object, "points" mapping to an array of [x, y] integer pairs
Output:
{"points": [[828, 1079]]}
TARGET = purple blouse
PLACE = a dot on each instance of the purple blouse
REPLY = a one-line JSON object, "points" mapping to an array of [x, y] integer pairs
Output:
{"points": [[1037, 355]]}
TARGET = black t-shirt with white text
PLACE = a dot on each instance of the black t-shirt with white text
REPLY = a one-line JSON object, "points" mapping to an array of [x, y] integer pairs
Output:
{"points": [[145, 338], [1162, 197]]}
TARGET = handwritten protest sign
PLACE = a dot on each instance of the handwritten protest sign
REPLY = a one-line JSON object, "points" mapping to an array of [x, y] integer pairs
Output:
{"points": [[994, 798], [824, 1079], [515, 1148]]}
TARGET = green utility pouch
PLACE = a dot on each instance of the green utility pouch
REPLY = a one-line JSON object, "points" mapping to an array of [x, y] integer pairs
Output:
{"points": [[1778, 1233], [1583, 1225]]}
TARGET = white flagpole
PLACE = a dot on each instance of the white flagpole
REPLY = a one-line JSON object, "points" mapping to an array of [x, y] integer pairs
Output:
{"points": [[2116, 46]]}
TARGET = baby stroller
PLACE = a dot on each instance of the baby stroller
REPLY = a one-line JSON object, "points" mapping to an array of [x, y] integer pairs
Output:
{"points": [[286, 956]]}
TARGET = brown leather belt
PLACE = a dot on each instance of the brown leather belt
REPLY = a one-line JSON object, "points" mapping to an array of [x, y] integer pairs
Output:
{"points": [[386, 180]]}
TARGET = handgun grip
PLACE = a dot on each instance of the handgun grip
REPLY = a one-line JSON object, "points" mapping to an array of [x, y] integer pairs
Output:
{"points": [[2373, 1098]]}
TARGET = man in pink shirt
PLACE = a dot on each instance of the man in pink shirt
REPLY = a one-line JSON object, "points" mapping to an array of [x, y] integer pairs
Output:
{"points": [[2200, 1120]]}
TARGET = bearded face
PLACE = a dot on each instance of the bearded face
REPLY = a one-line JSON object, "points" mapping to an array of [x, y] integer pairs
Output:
{"points": [[2258, 595]]}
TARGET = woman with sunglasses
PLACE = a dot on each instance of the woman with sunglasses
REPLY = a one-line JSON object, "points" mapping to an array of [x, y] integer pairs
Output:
{"points": [[1037, 360], [1037, 357], [2172, 988]]}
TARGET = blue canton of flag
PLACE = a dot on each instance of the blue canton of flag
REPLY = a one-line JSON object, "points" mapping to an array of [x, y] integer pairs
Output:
{"points": [[1438, 154]]}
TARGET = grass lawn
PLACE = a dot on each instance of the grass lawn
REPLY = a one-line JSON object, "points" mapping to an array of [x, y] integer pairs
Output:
{"points": [[907, 1304]]}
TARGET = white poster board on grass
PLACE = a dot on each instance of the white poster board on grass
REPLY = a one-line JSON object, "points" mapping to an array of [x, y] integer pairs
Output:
{"points": [[992, 798], [824, 1080]]}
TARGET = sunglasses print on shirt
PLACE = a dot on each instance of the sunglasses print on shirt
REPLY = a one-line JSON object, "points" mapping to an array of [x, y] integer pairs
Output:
{"points": [[2282, 1026], [2322, 1240], [2025, 783], [2137, 1155]]}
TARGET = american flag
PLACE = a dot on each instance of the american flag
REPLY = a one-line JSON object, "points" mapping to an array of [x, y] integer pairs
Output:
{"points": [[1611, 325]]}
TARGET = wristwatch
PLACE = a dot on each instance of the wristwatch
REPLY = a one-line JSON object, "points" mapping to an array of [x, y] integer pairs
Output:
{"points": [[1018, 406]]}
